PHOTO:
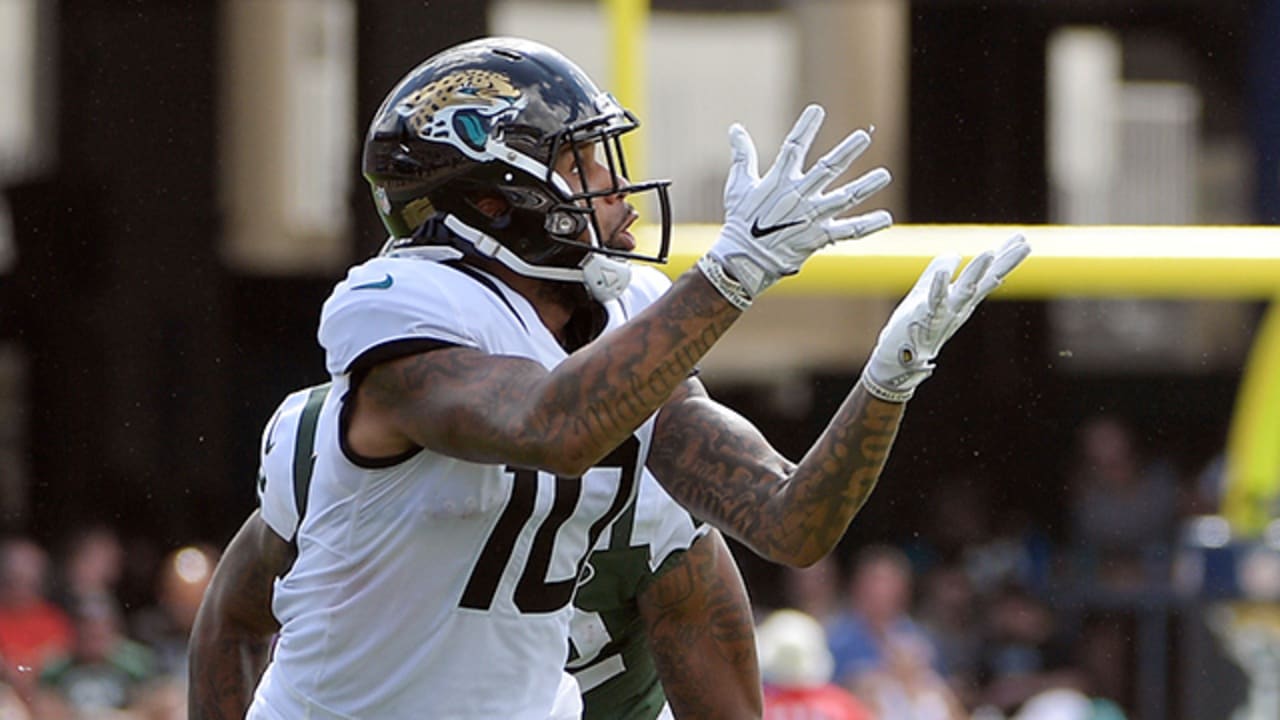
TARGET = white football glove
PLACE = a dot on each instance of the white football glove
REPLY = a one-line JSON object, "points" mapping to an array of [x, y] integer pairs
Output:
{"points": [[773, 224], [930, 314]]}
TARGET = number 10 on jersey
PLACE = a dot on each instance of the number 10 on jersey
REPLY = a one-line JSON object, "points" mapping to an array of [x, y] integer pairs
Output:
{"points": [[534, 593]]}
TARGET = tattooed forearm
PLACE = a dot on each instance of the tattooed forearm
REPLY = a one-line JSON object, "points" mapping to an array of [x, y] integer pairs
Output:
{"points": [[489, 408], [229, 642], [626, 387], [719, 466], [620, 380], [701, 635]]}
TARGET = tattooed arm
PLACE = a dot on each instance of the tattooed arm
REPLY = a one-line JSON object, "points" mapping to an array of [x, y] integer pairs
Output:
{"points": [[718, 465], [229, 641], [499, 409], [700, 632]]}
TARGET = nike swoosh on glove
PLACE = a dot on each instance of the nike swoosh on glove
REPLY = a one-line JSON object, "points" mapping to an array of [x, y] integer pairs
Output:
{"points": [[774, 223]]}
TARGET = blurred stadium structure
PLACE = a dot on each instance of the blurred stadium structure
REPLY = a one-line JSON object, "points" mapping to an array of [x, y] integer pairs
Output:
{"points": [[183, 186]]}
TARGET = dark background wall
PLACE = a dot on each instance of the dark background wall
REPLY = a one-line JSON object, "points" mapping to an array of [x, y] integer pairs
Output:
{"points": [[121, 304], [151, 365]]}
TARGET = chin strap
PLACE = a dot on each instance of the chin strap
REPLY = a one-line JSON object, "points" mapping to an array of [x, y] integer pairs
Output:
{"points": [[604, 277]]}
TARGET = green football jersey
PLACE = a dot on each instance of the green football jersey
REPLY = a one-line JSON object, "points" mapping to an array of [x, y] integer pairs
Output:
{"points": [[609, 653]]}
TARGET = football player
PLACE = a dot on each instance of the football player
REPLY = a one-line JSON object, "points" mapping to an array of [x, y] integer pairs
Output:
{"points": [[662, 626], [502, 374], [660, 604]]}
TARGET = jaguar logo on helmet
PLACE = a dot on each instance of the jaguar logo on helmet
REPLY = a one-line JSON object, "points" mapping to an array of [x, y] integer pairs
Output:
{"points": [[462, 109]]}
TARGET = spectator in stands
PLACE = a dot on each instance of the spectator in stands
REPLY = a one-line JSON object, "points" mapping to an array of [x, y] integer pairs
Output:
{"points": [[955, 521], [1103, 653], [1032, 669], [1202, 495], [878, 605], [92, 564], [992, 536], [1023, 653], [1123, 509], [32, 630], [105, 670], [881, 654], [796, 667], [949, 614]]}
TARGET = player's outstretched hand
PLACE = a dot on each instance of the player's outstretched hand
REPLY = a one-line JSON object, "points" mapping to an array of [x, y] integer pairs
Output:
{"points": [[773, 224], [930, 314]]}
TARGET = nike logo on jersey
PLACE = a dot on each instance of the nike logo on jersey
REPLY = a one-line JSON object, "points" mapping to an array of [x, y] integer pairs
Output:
{"points": [[382, 284], [757, 231]]}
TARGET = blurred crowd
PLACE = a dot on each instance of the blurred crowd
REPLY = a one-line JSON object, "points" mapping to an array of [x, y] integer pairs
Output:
{"points": [[985, 615], [89, 631], [943, 651]]}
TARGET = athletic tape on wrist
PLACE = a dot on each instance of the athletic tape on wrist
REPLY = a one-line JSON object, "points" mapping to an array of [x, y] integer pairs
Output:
{"points": [[731, 289], [879, 391]]}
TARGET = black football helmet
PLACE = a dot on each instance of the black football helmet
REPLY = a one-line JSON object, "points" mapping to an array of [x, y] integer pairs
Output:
{"points": [[490, 117]]}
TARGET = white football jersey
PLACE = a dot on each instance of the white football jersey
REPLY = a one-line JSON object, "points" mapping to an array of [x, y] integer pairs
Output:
{"points": [[607, 635], [428, 586]]}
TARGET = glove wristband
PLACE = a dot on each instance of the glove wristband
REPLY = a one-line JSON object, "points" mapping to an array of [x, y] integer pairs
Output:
{"points": [[883, 393], [731, 289]]}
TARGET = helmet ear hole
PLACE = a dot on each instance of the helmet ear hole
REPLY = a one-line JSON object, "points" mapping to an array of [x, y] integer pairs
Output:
{"points": [[495, 211], [489, 204]]}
